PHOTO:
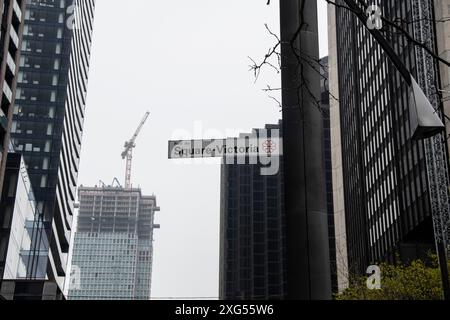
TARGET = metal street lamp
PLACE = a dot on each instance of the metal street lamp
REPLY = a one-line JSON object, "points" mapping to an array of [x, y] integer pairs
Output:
{"points": [[425, 122]]}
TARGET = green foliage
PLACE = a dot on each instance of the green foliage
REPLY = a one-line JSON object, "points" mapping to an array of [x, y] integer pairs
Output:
{"points": [[416, 281]]}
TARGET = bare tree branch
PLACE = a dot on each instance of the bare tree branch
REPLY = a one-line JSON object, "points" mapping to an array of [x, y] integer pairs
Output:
{"points": [[315, 64]]}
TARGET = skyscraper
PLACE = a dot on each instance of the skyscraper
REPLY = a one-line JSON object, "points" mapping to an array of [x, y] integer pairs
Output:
{"points": [[49, 115], [389, 185], [17, 208], [10, 41], [113, 247], [252, 236]]}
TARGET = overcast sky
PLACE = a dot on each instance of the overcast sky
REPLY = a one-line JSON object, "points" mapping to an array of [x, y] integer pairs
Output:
{"points": [[187, 63]]}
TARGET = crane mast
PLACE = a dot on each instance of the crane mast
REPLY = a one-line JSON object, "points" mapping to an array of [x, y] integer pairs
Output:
{"points": [[128, 152]]}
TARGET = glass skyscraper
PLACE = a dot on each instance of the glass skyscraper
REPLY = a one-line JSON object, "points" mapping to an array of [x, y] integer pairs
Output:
{"points": [[252, 232], [49, 115], [392, 185], [113, 248], [19, 237]]}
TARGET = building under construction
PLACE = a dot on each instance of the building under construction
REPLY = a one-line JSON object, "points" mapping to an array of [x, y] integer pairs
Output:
{"points": [[113, 248]]}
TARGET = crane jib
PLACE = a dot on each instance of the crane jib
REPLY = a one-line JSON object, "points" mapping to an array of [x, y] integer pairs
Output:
{"points": [[128, 152]]}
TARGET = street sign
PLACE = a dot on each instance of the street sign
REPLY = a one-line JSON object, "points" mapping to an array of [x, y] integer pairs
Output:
{"points": [[219, 148], [264, 147]]}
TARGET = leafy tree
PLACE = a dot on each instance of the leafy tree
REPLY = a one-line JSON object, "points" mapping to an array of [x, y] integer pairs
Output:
{"points": [[417, 281]]}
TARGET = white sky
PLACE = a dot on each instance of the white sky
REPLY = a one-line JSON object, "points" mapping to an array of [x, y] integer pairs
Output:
{"points": [[186, 62]]}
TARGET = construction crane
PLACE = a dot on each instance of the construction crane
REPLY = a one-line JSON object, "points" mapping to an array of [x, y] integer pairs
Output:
{"points": [[128, 152]]}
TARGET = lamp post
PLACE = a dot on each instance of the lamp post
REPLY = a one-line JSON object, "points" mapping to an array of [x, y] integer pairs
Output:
{"points": [[425, 122]]}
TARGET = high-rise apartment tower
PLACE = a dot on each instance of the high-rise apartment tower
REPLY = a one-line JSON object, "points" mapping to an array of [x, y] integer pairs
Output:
{"points": [[49, 115], [113, 248]]}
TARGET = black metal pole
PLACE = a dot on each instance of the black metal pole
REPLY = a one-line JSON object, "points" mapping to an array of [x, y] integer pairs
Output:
{"points": [[308, 260]]}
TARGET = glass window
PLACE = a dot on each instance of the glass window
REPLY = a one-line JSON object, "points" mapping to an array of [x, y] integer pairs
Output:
{"points": [[43, 181], [45, 164], [51, 112]]}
